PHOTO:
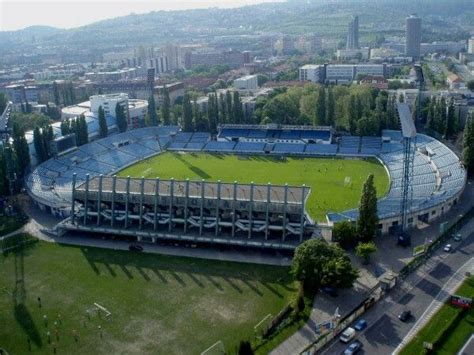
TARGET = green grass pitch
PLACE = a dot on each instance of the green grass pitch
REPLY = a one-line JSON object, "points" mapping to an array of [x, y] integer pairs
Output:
{"points": [[159, 304], [330, 191]]}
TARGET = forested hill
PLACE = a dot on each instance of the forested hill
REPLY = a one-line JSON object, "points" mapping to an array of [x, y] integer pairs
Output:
{"points": [[326, 17]]}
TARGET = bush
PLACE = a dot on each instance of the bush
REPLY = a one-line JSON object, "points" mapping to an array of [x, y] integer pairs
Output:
{"points": [[345, 234]]}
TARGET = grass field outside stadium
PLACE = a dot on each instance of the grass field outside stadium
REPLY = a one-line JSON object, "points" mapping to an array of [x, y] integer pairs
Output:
{"points": [[336, 184], [158, 304]]}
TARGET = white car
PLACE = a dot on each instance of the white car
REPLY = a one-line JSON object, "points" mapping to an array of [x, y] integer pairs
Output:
{"points": [[347, 335], [448, 248]]}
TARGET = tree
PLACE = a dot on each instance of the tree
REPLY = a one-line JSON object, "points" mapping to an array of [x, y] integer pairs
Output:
{"points": [[187, 114], [451, 123], [330, 117], [103, 129], [468, 144], [228, 105], [3, 173], [213, 113], [165, 108], [21, 150], [321, 107], [245, 348], [121, 117], [345, 233], [237, 111], [470, 85], [368, 218], [316, 264], [152, 111], [352, 114], [80, 130], [56, 93], [364, 250], [39, 145]]}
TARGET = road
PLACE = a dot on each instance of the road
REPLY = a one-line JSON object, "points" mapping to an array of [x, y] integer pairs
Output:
{"points": [[385, 330]]}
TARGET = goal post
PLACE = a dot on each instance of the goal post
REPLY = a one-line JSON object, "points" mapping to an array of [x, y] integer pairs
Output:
{"points": [[216, 348]]}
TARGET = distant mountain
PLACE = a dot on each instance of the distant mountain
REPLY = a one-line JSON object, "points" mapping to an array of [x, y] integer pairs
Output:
{"points": [[329, 18]]}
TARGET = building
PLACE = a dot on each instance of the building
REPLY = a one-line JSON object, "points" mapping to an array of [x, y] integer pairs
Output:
{"points": [[135, 109], [340, 73], [248, 82], [21, 94], [454, 81], [312, 72], [313, 44], [115, 75], [360, 53], [470, 45], [413, 36], [353, 34], [229, 213], [209, 58], [287, 44]]}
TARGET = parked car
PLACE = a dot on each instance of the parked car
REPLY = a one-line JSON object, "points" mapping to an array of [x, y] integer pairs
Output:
{"points": [[135, 247], [448, 248], [360, 325], [405, 315], [353, 348], [457, 237], [347, 335]]}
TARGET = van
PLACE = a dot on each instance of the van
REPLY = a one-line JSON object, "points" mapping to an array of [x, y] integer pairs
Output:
{"points": [[347, 335]]}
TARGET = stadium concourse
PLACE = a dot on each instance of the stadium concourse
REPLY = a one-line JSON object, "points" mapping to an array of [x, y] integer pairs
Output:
{"points": [[438, 180]]}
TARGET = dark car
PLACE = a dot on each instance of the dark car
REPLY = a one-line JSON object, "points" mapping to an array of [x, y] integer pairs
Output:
{"points": [[405, 315], [135, 247], [353, 348], [360, 325]]}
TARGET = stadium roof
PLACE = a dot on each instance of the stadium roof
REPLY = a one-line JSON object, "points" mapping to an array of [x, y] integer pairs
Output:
{"points": [[295, 194], [406, 120]]}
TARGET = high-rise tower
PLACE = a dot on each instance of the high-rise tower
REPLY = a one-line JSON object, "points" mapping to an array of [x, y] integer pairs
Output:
{"points": [[413, 36], [353, 34]]}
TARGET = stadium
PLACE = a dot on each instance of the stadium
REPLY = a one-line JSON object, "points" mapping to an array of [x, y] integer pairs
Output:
{"points": [[90, 189]]}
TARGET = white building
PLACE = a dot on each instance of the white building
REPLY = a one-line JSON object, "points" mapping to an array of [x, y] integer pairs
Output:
{"points": [[135, 109], [248, 82], [312, 72], [108, 102], [340, 73]]}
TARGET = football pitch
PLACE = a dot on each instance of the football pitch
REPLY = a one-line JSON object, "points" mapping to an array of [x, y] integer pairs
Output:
{"points": [[336, 184], [158, 304]]}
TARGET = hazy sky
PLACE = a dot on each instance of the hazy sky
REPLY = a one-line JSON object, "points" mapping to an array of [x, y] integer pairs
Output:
{"points": [[17, 14]]}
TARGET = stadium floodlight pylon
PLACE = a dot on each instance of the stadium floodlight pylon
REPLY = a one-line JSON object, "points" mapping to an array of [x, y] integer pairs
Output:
{"points": [[409, 148]]}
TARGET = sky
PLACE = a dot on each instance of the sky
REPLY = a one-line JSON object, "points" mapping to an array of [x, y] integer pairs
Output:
{"points": [[18, 14]]}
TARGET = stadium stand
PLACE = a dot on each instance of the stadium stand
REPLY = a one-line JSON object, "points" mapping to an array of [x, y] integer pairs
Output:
{"points": [[439, 177]]}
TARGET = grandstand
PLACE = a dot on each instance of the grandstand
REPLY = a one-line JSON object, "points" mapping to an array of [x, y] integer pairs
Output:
{"points": [[439, 177]]}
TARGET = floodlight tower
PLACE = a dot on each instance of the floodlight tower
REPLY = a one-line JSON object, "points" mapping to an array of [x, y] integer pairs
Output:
{"points": [[409, 148]]}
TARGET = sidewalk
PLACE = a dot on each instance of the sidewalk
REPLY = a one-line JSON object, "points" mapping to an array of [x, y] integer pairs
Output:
{"points": [[453, 283]]}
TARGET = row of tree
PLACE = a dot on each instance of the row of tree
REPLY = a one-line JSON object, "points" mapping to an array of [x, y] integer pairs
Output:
{"points": [[468, 145], [441, 117], [42, 138], [78, 127], [356, 109], [14, 161]]}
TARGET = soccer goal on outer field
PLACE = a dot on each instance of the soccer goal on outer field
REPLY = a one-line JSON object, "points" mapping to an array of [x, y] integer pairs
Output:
{"points": [[216, 348]]}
